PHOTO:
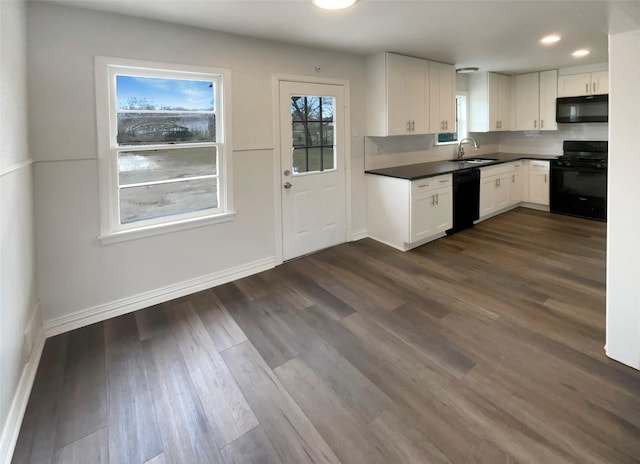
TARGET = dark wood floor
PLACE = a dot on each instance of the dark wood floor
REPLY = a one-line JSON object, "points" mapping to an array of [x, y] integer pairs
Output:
{"points": [[482, 347]]}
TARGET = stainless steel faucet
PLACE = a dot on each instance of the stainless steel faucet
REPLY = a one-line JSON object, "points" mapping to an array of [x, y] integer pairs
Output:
{"points": [[461, 149]]}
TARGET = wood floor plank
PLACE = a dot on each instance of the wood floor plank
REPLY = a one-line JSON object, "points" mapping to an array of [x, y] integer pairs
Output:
{"points": [[36, 441], [485, 347], [350, 440], [223, 403], [265, 332], [292, 435], [151, 322], [356, 390], [254, 447], [159, 459], [224, 331], [133, 431], [91, 449], [83, 400], [412, 446], [185, 430]]}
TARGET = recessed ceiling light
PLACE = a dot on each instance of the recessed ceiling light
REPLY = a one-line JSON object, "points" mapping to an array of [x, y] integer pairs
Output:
{"points": [[333, 4], [467, 70], [581, 52], [550, 39]]}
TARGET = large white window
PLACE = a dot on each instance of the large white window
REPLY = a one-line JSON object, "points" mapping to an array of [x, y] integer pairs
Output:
{"points": [[163, 146]]}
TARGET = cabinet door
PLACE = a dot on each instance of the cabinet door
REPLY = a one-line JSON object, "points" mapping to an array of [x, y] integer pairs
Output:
{"points": [[422, 206], [600, 82], [502, 191], [527, 101], [442, 98], [539, 182], [515, 187], [548, 95], [574, 85], [504, 101], [443, 210], [487, 195], [397, 112], [494, 101], [417, 95]]}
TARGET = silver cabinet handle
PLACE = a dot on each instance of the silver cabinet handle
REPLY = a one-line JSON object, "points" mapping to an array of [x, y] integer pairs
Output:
{"points": [[594, 87], [535, 123], [437, 199], [541, 123], [288, 185], [545, 178], [408, 126], [586, 88], [413, 126], [513, 178]]}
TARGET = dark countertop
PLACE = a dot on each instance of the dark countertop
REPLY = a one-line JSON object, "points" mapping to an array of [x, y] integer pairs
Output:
{"points": [[436, 168]]}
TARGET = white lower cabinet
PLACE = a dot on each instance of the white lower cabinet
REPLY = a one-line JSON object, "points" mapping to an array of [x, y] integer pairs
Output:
{"points": [[515, 184], [404, 214], [539, 182], [500, 188]]}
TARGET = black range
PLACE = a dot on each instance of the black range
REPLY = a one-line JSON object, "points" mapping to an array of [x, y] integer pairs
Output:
{"points": [[579, 180]]}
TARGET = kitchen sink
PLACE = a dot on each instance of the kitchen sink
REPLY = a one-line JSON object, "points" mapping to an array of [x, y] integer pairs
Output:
{"points": [[476, 160]]}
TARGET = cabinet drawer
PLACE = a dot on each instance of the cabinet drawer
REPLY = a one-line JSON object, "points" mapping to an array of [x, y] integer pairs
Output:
{"points": [[430, 183], [539, 165], [496, 170]]}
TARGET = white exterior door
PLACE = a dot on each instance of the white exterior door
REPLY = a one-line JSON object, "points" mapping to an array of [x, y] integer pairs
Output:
{"points": [[312, 176]]}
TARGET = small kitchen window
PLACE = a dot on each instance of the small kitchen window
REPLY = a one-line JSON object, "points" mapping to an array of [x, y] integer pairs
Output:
{"points": [[162, 147], [461, 123]]}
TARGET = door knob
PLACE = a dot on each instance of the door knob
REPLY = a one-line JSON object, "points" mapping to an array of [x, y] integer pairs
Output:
{"points": [[287, 185]]}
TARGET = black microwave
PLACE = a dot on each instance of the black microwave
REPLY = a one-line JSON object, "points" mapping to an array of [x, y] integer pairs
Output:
{"points": [[589, 108]]}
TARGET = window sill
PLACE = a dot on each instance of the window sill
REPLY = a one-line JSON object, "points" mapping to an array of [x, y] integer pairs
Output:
{"points": [[160, 229]]}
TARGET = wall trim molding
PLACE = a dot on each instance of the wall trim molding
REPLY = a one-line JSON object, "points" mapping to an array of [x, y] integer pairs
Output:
{"points": [[142, 300], [16, 167], [18, 407], [359, 236]]}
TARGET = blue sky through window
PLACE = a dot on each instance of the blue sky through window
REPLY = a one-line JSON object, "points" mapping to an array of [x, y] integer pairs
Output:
{"points": [[151, 93]]}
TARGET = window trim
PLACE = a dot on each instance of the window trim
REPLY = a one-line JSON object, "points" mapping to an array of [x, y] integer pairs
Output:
{"points": [[111, 230]]}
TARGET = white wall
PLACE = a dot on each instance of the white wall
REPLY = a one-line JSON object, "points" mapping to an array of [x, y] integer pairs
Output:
{"points": [[623, 221], [17, 254], [78, 277]]}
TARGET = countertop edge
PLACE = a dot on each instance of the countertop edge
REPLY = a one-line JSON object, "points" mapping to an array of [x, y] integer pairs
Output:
{"points": [[439, 167]]}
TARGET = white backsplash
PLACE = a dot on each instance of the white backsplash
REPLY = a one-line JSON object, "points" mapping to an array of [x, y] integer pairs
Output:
{"points": [[550, 142], [384, 152]]}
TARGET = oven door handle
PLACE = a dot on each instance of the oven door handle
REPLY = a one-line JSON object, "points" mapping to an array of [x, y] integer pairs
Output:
{"points": [[578, 169]]}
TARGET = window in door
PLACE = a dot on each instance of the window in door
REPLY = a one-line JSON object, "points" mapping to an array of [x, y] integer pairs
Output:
{"points": [[312, 119]]}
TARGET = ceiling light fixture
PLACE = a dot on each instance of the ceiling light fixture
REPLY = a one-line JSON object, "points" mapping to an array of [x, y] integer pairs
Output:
{"points": [[550, 39], [333, 4], [467, 70], [581, 52]]}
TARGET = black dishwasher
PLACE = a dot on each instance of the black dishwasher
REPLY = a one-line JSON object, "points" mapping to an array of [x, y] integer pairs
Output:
{"points": [[466, 199]]}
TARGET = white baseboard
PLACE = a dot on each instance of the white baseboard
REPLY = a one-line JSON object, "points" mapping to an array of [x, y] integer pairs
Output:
{"points": [[13, 423], [358, 236], [142, 300]]}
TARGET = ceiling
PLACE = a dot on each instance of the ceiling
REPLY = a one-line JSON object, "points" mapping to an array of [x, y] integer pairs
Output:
{"points": [[495, 35]]}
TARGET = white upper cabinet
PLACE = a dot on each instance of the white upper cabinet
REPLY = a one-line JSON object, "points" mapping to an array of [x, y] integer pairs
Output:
{"points": [[442, 98], [535, 101], [408, 95], [575, 85], [548, 95], [398, 95], [490, 102]]}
